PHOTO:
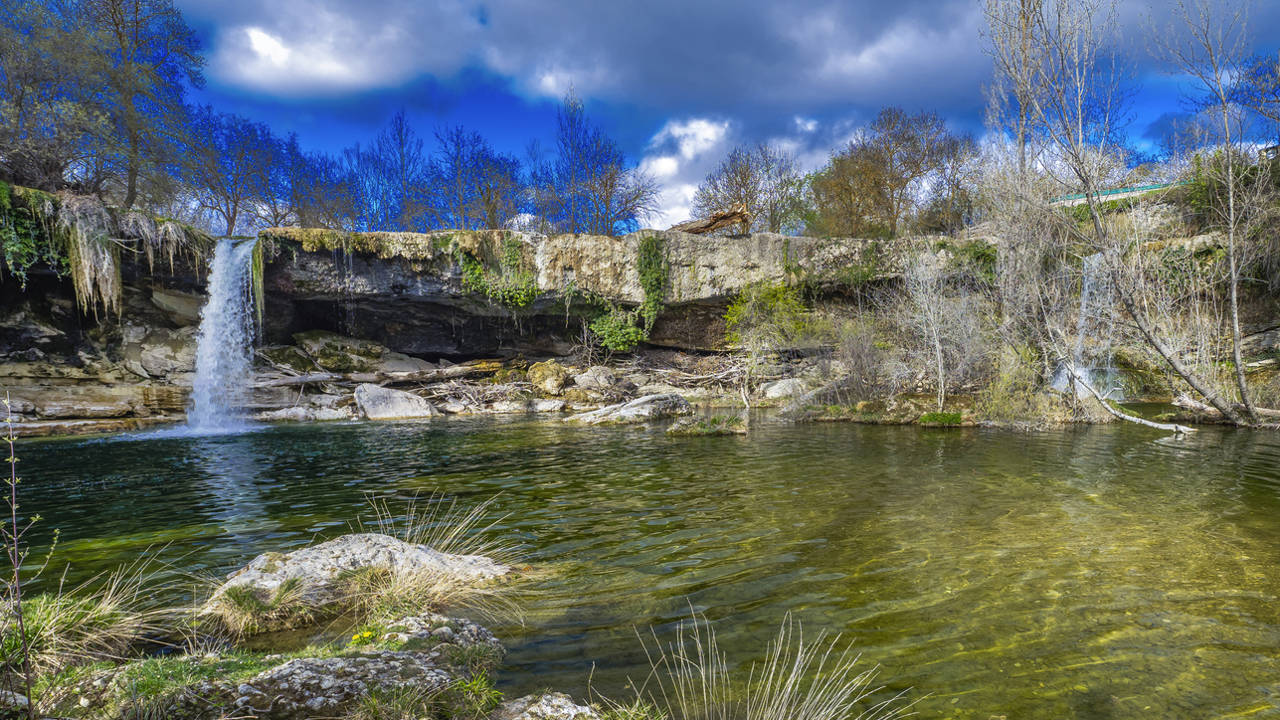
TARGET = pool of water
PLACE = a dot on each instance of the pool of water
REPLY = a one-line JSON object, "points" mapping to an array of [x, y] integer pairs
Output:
{"points": [[1104, 572]]}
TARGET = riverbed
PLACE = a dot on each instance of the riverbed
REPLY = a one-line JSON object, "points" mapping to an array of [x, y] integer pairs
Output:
{"points": [[1092, 572]]}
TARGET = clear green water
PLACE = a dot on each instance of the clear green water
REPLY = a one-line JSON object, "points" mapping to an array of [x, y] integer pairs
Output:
{"points": [[1092, 573]]}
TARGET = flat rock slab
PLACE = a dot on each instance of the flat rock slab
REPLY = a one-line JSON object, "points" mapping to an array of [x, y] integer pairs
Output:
{"points": [[318, 570], [642, 409]]}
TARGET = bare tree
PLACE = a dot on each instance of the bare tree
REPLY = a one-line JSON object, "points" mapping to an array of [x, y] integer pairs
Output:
{"points": [[763, 179], [1077, 108], [1015, 51], [945, 323], [1214, 55], [224, 161]]}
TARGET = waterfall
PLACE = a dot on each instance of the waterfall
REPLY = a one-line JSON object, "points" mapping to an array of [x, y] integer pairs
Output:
{"points": [[224, 362], [1096, 322]]}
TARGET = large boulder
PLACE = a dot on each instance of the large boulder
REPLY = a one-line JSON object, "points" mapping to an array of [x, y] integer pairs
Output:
{"points": [[547, 706], [785, 388], [549, 377], [379, 403], [314, 576], [649, 407]]}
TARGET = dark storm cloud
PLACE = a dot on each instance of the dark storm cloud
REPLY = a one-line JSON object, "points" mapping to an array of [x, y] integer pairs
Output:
{"points": [[676, 56], [679, 82]]}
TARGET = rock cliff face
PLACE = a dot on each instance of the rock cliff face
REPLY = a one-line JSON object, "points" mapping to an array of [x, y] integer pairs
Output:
{"points": [[400, 302], [485, 292]]}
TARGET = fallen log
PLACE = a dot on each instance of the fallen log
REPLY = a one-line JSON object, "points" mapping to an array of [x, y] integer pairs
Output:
{"points": [[736, 215], [1187, 403], [385, 378], [1076, 381]]}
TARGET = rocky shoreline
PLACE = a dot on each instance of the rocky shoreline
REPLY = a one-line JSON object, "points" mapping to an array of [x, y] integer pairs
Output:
{"points": [[404, 655]]}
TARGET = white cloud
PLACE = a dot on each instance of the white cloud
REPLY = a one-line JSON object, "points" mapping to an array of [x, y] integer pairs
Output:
{"points": [[267, 46], [660, 166], [692, 137], [680, 155], [804, 124]]}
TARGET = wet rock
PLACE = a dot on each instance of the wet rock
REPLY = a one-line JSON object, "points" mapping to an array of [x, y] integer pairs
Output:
{"points": [[528, 406], [649, 407], [785, 388], [379, 403], [549, 377], [547, 706], [159, 352], [714, 425], [305, 413], [317, 571]]}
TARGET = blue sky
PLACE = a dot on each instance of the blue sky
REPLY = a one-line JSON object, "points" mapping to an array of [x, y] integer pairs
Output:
{"points": [[676, 82]]}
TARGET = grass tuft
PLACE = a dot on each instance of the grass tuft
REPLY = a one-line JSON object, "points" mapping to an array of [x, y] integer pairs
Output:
{"points": [[798, 680]]}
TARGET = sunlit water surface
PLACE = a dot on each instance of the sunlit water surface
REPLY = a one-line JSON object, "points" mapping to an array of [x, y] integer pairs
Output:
{"points": [[1084, 573]]}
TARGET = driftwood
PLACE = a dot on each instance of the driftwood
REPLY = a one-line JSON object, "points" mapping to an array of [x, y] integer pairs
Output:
{"points": [[736, 215], [449, 373], [1187, 403]]}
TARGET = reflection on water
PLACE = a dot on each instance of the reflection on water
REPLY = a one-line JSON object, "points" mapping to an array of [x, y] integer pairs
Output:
{"points": [[1094, 573]]}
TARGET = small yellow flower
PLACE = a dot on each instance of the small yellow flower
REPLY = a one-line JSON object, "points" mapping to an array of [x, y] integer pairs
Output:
{"points": [[356, 636]]}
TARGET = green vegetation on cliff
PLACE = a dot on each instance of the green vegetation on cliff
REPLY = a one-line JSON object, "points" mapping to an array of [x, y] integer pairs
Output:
{"points": [[80, 237]]}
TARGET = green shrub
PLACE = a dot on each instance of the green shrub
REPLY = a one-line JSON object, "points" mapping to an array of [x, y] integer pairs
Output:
{"points": [[28, 232], [655, 278], [940, 418], [772, 307], [616, 330], [511, 283]]}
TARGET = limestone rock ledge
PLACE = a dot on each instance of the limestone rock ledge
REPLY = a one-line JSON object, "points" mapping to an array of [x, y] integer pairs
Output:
{"points": [[313, 575]]}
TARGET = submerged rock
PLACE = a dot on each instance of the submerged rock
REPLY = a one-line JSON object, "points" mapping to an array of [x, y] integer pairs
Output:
{"points": [[547, 706], [314, 576], [380, 403], [649, 407]]}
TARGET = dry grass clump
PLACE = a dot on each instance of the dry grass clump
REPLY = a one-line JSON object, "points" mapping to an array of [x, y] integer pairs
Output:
{"points": [[100, 619], [798, 680], [243, 611], [442, 525]]}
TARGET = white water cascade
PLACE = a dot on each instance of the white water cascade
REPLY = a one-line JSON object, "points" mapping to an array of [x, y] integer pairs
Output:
{"points": [[1091, 357], [224, 361]]}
